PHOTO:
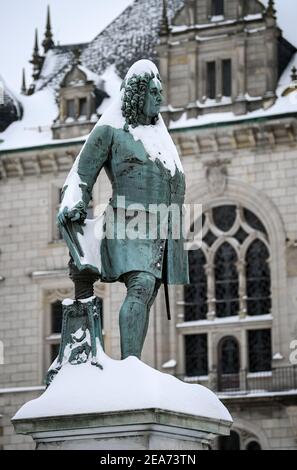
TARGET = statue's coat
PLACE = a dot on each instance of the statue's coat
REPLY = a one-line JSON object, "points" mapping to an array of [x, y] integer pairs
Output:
{"points": [[140, 179]]}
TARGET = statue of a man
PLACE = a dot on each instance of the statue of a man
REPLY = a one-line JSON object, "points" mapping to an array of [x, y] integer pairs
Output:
{"points": [[133, 145]]}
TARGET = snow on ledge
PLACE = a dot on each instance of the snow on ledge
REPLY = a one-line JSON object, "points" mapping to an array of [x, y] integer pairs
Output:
{"points": [[169, 364], [234, 319], [121, 385]]}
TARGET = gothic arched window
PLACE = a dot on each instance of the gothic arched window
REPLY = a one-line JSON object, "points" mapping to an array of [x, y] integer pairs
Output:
{"points": [[230, 273]]}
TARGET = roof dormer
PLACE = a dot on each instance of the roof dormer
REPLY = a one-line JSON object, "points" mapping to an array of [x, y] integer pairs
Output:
{"points": [[222, 56], [81, 93]]}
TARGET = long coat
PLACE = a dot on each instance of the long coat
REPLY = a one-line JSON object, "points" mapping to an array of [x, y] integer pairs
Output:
{"points": [[134, 175]]}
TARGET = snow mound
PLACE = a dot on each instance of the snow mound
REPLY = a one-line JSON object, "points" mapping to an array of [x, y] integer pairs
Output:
{"points": [[121, 385]]}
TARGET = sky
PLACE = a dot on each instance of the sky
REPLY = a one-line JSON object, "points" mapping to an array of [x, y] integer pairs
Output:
{"points": [[75, 21], [72, 21]]}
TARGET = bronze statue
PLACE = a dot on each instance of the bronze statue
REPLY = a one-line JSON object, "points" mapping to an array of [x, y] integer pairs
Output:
{"points": [[133, 145]]}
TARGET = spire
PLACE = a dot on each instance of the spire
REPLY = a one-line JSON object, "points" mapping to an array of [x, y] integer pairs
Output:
{"points": [[36, 60], [271, 11], [36, 47], [164, 29], [24, 88], [48, 42]]}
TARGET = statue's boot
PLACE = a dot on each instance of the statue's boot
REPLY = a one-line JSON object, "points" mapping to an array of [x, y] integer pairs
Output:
{"points": [[134, 313]]}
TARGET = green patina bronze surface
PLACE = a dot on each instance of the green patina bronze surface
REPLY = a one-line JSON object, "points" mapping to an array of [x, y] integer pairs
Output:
{"points": [[140, 179]]}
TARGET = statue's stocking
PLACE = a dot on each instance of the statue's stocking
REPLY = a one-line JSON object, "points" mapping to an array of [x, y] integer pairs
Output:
{"points": [[134, 312]]}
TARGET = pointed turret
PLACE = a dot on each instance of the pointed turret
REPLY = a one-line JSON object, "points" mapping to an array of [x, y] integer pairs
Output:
{"points": [[48, 42], [164, 29], [271, 11], [37, 60], [24, 88]]}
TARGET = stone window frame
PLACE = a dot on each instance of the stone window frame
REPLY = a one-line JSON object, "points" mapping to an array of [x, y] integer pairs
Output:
{"points": [[216, 333], [218, 59], [240, 192], [240, 249]]}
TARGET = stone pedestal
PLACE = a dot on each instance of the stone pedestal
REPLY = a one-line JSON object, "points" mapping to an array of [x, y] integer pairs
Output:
{"points": [[150, 429], [121, 405]]}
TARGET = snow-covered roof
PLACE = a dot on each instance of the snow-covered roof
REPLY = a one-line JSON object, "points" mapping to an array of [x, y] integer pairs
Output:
{"points": [[40, 111], [128, 38], [107, 58]]}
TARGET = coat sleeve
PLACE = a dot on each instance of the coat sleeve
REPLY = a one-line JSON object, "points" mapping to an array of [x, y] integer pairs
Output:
{"points": [[86, 168]]}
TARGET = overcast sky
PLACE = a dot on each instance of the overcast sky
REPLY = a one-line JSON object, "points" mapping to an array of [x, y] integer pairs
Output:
{"points": [[74, 21]]}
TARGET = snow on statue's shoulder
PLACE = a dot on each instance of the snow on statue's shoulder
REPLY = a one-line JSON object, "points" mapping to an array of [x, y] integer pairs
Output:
{"points": [[121, 385]]}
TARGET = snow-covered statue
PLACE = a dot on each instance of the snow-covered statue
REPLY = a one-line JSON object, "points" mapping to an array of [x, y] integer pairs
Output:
{"points": [[133, 145], [131, 142]]}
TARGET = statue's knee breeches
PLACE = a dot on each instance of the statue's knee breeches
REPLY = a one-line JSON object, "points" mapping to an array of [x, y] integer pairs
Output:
{"points": [[140, 286]]}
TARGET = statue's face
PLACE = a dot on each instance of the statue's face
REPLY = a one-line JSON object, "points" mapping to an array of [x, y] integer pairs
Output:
{"points": [[153, 99]]}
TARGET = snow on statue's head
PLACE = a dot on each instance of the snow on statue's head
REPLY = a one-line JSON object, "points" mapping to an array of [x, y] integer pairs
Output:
{"points": [[142, 95]]}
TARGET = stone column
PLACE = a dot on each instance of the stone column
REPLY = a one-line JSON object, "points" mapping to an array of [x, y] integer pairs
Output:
{"points": [[192, 79], [211, 301], [239, 80]]}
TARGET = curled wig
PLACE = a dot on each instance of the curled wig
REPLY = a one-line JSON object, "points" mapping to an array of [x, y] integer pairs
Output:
{"points": [[134, 97]]}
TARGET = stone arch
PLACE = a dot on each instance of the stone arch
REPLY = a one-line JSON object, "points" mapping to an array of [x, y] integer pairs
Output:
{"points": [[254, 433]]}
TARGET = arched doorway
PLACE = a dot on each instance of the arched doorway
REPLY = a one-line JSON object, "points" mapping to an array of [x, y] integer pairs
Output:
{"points": [[228, 364]]}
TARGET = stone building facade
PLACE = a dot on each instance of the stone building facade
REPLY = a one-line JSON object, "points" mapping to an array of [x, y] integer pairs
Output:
{"points": [[231, 108]]}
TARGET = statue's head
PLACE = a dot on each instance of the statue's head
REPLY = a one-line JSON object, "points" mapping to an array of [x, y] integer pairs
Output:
{"points": [[142, 96]]}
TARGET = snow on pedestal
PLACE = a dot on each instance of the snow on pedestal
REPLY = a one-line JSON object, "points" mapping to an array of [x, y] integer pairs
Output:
{"points": [[119, 405]]}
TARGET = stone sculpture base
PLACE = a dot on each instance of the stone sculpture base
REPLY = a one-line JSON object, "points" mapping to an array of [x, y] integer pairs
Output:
{"points": [[151, 429], [122, 405]]}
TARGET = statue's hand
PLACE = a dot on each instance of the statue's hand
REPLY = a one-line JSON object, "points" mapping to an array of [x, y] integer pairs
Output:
{"points": [[77, 214]]}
